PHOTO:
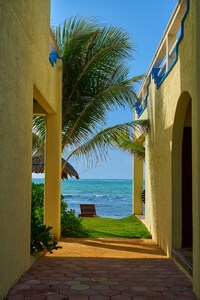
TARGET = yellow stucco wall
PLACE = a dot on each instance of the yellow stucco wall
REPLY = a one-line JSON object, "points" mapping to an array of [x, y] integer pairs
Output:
{"points": [[138, 186], [167, 107], [24, 52], [50, 99]]}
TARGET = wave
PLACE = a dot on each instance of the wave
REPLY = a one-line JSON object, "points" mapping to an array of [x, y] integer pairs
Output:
{"points": [[68, 195]]}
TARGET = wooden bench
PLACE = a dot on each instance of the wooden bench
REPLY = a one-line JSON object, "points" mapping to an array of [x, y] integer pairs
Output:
{"points": [[87, 210]]}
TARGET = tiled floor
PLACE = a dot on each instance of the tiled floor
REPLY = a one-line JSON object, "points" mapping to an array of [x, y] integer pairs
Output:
{"points": [[103, 269]]}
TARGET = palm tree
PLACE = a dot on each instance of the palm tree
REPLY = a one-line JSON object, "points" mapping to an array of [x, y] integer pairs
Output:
{"points": [[95, 81]]}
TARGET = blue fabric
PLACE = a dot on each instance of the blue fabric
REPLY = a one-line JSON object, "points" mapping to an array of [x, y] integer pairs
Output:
{"points": [[53, 56]]}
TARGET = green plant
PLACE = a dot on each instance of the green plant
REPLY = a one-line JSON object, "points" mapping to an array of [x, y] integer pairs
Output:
{"points": [[71, 225], [37, 205], [42, 239]]}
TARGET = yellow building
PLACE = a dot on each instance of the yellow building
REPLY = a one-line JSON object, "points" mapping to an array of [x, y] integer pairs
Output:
{"points": [[28, 84], [170, 99]]}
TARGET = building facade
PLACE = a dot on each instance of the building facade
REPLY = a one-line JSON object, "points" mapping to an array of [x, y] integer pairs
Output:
{"points": [[170, 99], [28, 85]]}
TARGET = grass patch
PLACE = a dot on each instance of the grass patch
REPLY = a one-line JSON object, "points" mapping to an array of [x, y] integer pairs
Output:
{"points": [[130, 227]]}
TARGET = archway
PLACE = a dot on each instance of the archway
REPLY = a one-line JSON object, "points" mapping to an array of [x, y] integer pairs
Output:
{"points": [[182, 232]]}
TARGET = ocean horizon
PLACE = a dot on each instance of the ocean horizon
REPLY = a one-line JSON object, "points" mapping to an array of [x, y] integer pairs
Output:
{"points": [[112, 197]]}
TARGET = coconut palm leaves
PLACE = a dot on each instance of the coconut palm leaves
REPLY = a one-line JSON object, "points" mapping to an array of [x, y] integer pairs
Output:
{"points": [[95, 76], [95, 80], [116, 137], [38, 143]]}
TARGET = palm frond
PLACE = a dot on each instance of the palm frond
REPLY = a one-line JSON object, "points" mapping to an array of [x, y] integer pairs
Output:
{"points": [[95, 77], [74, 30], [38, 145], [39, 126], [95, 110], [119, 136], [130, 144], [136, 79]]}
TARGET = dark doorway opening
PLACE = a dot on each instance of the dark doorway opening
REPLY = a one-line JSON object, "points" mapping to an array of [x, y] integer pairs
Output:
{"points": [[182, 172], [187, 188], [184, 255]]}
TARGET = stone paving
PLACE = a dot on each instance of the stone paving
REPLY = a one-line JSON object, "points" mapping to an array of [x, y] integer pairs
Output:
{"points": [[104, 269]]}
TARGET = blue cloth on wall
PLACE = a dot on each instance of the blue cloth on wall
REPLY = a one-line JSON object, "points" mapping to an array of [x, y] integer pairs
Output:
{"points": [[53, 56]]}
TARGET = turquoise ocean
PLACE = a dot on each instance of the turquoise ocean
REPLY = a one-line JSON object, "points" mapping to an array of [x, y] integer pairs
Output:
{"points": [[112, 197]]}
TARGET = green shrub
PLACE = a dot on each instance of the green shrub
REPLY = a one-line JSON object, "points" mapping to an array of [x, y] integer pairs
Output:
{"points": [[71, 226], [37, 206], [41, 238]]}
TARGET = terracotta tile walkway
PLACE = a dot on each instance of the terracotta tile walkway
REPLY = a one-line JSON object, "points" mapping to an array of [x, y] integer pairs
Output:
{"points": [[104, 269]]}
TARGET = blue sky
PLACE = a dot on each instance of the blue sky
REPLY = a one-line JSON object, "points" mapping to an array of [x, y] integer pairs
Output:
{"points": [[145, 21]]}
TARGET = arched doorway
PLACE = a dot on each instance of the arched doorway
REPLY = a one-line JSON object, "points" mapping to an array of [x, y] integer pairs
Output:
{"points": [[182, 231]]}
